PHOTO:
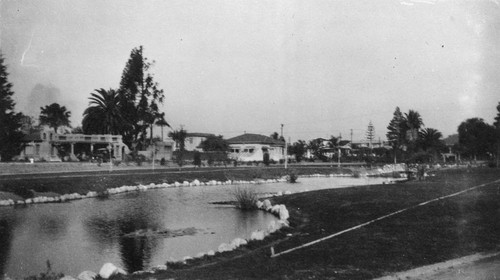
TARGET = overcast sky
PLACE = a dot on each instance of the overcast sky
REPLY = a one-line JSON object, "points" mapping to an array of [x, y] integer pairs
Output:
{"points": [[320, 68]]}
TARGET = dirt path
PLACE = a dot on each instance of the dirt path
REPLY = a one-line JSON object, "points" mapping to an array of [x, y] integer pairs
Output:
{"points": [[477, 266]]}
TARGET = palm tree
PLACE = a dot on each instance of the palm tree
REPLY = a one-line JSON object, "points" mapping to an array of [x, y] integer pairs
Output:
{"points": [[413, 121], [55, 116], [162, 122], [430, 139], [103, 116], [179, 136]]}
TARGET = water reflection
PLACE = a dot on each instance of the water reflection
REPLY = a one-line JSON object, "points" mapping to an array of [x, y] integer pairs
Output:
{"points": [[53, 225], [134, 231], [6, 236]]}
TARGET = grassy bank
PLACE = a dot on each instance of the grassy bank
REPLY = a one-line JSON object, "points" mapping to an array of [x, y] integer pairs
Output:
{"points": [[27, 186], [438, 231]]}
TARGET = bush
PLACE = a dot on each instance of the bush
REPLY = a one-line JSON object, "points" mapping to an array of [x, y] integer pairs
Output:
{"points": [[163, 161], [292, 176], [246, 198]]}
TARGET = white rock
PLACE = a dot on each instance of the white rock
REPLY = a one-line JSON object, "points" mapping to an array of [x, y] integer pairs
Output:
{"points": [[259, 204], [279, 193], [87, 275], [288, 192], [273, 226], [200, 255], [225, 247], [257, 235], [276, 209], [109, 269], [237, 242], [177, 184], [196, 182], [210, 253], [283, 213], [267, 205]]}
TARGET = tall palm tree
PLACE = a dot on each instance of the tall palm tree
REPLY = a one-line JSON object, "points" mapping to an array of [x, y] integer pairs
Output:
{"points": [[411, 124], [55, 116], [103, 116], [413, 120]]}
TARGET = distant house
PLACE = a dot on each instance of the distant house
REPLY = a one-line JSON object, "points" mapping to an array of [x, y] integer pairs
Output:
{"points": [[193, 141], [49, 146], [159, 150], [252, 147], [451, 155]]}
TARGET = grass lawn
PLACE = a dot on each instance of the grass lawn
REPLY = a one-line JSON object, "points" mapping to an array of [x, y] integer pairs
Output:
{"points": [[438, 231]]}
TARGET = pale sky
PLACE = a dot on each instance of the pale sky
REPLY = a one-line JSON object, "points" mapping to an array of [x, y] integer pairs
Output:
{"points": [[319, 67]]}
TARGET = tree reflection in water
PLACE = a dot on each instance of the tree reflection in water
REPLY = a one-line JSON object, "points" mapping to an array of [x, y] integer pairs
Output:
{"points": [[6, 228], [135, 251]]}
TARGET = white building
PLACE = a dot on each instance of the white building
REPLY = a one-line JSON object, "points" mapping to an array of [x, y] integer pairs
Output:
{"points": [[252, 147], [50, 146]]}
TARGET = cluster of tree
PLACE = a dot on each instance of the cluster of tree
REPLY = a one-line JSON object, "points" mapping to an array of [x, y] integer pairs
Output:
{"points": [[10, 120], [479, 140], [129, 110], [410, 140]]}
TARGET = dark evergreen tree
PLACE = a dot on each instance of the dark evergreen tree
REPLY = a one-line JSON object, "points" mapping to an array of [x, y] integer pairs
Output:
{"points": [[395, 133], [140, 97], [10, 122]]}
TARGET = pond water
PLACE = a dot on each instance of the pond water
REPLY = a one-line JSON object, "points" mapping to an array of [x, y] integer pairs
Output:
{"points": [[135, 231]]}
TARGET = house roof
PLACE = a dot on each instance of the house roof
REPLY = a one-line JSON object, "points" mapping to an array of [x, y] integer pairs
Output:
{"points": [[249, 138], [197, 134], [344, 142]]}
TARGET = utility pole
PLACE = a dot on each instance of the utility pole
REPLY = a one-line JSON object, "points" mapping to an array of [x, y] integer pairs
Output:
{"points": [[284, 150]]}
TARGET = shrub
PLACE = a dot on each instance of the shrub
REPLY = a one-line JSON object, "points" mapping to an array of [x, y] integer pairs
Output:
{"points": [[162, 161], [197, 159], [292, 176], [116, 162], [245, 197]]}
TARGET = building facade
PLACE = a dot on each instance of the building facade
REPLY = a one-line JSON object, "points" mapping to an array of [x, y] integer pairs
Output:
{"points": [[47, 145], [252, 147]]}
